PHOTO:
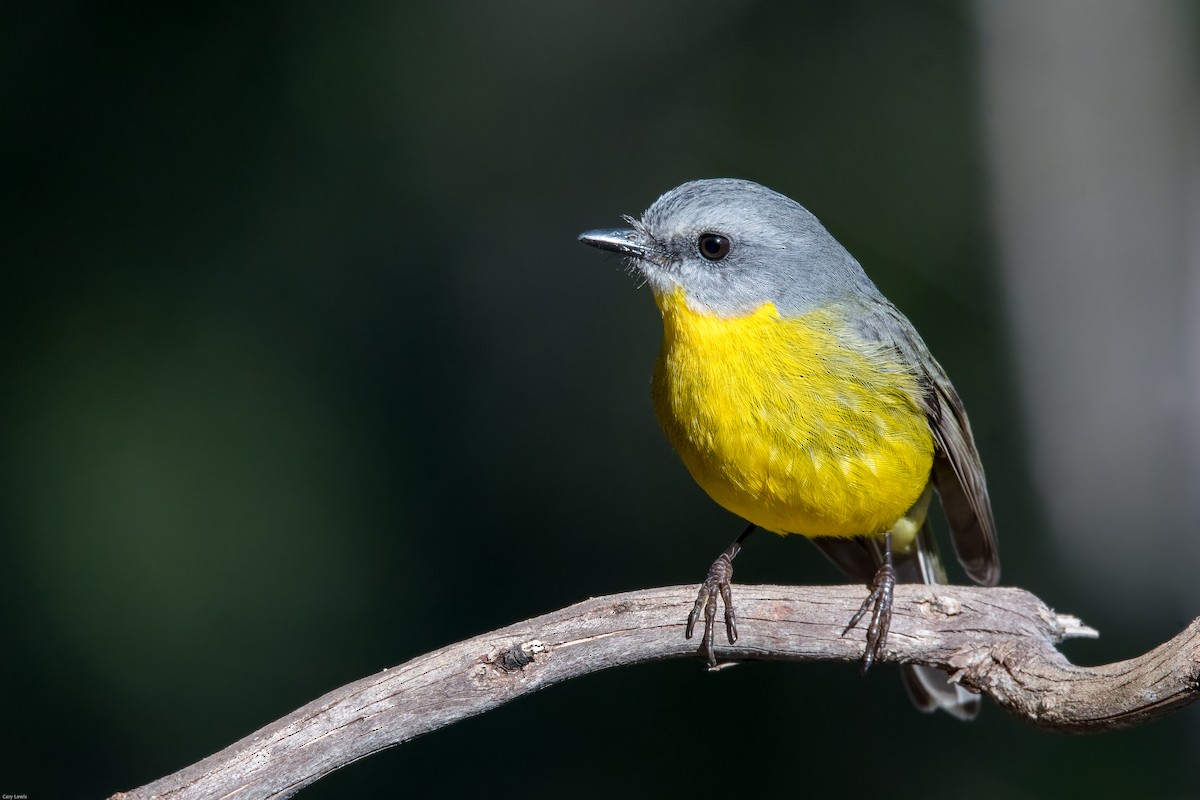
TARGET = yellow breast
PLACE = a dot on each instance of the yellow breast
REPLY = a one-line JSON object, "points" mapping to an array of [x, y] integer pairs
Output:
{"points": [[785, 425]]}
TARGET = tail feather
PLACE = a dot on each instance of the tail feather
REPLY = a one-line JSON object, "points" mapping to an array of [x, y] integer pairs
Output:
{"points": [[930, 689]]}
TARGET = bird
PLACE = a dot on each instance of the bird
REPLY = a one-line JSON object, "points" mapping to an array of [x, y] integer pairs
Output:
{"points": [[802, 400]]}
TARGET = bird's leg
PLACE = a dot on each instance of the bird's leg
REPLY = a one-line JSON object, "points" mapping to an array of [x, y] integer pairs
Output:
{"points": [[720, 575], [879, 603]]}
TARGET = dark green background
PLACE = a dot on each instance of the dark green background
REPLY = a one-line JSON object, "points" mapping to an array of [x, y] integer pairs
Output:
{"points": [[305, 374]]}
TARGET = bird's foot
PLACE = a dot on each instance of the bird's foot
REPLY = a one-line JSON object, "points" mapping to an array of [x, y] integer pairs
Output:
{"points": [[720, 575], [879, 603]]}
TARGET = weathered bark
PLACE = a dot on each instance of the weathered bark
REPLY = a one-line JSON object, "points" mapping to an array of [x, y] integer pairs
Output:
{"points": [[1000, 642]]}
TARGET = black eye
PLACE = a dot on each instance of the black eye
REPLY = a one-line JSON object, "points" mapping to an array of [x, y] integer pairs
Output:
{"points": [[713, 246]]}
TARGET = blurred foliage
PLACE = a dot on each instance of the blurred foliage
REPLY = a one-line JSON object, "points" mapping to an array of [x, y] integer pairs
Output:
{"points": [[305, 375]]}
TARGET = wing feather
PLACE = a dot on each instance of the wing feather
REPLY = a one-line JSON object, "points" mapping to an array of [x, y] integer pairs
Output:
{"points": [[957, 470]]}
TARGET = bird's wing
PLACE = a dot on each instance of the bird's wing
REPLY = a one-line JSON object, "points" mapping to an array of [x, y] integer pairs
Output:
{"points": [[958, 478], [957, 470]]}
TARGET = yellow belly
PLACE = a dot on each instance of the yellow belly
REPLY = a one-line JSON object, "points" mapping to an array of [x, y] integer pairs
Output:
{"points": [[787, 428]]}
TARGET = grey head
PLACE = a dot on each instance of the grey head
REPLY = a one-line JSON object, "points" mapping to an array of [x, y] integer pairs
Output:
{"points": [[732, 245]]}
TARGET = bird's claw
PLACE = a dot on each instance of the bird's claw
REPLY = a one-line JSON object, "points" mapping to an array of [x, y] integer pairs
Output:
{"points": [[720, 575], [879, 603]]}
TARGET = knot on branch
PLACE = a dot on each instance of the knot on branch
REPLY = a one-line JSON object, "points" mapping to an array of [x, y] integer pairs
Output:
{"points": [[518, 655]]}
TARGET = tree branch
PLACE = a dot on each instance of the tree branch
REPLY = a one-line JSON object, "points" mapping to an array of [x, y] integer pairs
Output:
{"points": [[1000, 642]]}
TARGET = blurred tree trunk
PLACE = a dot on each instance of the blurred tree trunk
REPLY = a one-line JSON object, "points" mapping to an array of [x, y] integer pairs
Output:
{"points": [[1090, 116]]}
